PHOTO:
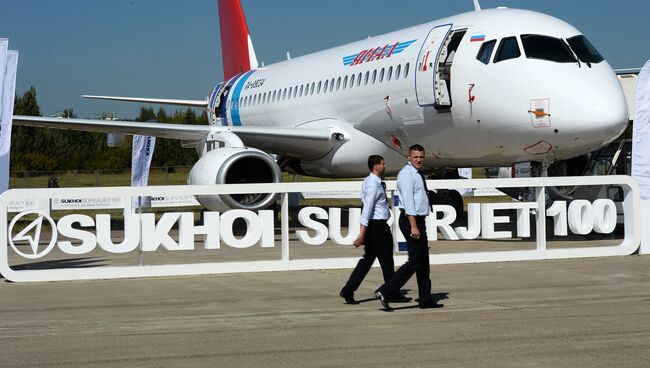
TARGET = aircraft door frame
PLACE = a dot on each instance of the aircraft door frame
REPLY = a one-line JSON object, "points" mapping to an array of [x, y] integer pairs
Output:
{"points": [[426, 66]]}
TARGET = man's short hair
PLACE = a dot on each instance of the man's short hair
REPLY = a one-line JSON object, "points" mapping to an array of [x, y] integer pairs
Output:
{"points": [[416, 147], [374, 160]]}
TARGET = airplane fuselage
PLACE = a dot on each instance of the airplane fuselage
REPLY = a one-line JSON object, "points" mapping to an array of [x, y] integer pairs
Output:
{"points": [[486, 88]]}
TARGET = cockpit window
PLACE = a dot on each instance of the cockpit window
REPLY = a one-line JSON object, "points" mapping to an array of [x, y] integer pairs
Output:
{"points": [[547, 48], [586, 52], [508, 49], [485, 52]]}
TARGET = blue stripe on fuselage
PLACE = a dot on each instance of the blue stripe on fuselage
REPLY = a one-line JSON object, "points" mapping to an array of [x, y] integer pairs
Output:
{"points": [[236, 119]]}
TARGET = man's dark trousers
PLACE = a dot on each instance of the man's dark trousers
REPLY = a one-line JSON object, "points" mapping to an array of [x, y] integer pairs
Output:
{"points": [[378, 244], [418, 262]]}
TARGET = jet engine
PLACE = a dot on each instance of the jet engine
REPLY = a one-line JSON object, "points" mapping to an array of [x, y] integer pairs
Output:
{"points": [[235, 165]]}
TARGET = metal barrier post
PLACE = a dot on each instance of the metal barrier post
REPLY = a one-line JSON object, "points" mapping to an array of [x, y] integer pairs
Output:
{"points": [[645, 235], [284, 223], [540, 196]]}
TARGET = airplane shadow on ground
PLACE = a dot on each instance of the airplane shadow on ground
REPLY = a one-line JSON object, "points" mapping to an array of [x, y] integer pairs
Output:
{"points": [[85, 262]]}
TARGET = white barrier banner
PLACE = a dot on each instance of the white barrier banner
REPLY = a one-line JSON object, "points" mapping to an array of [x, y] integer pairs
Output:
{"points": [[180, 235], [6, 110], [140, 163], [641, 133], [173, 201], [87, 203], [23, 205]]}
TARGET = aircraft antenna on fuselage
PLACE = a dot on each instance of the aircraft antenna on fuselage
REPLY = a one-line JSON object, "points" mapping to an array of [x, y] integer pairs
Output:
{"points": [[477, 6]]}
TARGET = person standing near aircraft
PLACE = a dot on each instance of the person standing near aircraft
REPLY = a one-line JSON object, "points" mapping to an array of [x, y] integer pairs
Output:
{"points": [[412, 191], [374, 234]]}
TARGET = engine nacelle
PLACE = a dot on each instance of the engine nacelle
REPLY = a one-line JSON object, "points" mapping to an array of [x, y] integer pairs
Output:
{"points": [[235, 165]]}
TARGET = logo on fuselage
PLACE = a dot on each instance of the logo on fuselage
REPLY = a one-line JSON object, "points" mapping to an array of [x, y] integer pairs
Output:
{"points": [[378, 53]]}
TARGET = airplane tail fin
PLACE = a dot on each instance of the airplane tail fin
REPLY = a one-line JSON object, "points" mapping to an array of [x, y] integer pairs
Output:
{"points": [[237, 50]]}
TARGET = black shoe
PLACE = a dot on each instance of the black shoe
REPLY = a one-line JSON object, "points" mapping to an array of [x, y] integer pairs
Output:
{"points": [[430, 304], [384, 301], [400, 299], [348, 296]]}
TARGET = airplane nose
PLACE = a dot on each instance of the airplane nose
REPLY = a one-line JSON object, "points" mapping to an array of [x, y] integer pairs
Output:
{"points": [[596, 112]]}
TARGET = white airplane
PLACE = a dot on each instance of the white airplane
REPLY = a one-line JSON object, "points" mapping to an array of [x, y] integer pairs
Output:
{"points": [[489, 87]]}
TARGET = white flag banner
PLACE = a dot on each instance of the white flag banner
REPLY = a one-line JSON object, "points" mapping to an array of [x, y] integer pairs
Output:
{"points": [[142, 151], [6, 115], [641, 132], [4, 45], [465, 173]]}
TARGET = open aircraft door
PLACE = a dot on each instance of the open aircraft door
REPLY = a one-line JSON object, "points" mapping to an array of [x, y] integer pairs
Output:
{"points": [[426, 68]]}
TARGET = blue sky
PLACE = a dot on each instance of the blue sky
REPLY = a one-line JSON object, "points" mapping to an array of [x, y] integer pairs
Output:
{"points": [[171, 49]]}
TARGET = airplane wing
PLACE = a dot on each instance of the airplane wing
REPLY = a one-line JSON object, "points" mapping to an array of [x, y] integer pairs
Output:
{"points": [[308, 142], [162, 101]]}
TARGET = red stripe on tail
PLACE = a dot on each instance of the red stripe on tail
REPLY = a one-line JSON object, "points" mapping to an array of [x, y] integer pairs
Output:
{"points": [[234, 38]]}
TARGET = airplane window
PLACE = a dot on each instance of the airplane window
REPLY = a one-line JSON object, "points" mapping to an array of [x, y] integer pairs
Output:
{"points": [[508, 49], [359, 76], [319, 87], [389, 76], [345, 82], [586, 52], [406, 70], [332, 85], [295, 91], [381, 75], [326, 85], [398, 71], [338, 83], [301, 88], [365, 80], [374, 76], [546, 48], [273, 99], [352, 81], [485, 52], [313, 85], [290, 92]]}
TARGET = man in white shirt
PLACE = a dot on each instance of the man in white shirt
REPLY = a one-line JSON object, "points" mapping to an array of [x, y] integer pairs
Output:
{"points": [[374, 234], [412, 191]]}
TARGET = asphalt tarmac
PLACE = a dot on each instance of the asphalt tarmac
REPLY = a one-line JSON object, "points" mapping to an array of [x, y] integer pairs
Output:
{"points": [[566, 313]]}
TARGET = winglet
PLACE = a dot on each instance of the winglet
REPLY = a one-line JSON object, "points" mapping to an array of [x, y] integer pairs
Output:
{"points": [[237, 50]]}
